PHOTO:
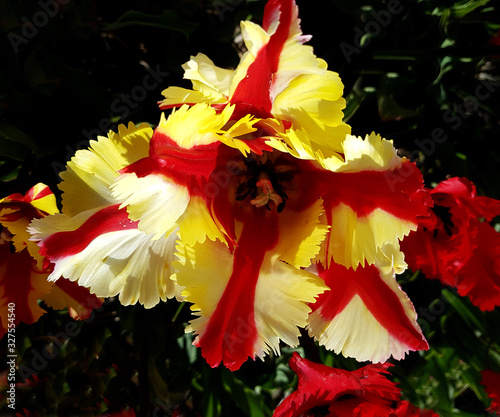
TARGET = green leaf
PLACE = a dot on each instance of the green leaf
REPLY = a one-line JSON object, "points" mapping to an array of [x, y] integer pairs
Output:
{"points": [[14, 143], [354, 101], [443, 390], [9, 170], [13, 134], [247, 399], [462, 10], [169, 19], [466, 313], [472, 378]]}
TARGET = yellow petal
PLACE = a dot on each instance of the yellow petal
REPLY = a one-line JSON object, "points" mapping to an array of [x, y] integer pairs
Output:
{"points": [[47, 203], [176, 96], [212, 81], [85, 184], [372, 154], [282, 296], [354, 239], [155, 201], [301, 234], [193, 126], [196, 224]]}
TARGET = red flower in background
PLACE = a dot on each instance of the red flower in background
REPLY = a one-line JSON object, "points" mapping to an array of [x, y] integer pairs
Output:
{"points": [[407, 409], [455, 246], [364, 392], [491, 383], [495, 39]]}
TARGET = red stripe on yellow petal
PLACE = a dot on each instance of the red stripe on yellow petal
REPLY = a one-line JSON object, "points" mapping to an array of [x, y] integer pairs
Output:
{"points": [[371, 208], [119, 259], [22, 283], [78, 300], [16, 212], [367, 190], [365, 315], [253, 94], [252, 296], [42, 198], [231, 333], [249, 98], [39, 197], [68, 243], [184, 147], [178, 163]]}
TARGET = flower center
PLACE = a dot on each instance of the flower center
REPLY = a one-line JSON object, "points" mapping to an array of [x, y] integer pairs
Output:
{"points": [[266, 194], [264, 179]]}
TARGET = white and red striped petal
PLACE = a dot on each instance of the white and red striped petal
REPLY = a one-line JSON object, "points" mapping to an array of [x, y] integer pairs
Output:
{"points": [[366, 315], [104, 251]]}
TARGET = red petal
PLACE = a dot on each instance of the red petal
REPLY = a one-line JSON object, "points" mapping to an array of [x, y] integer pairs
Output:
{"points": [[434, 253], [406, 409], [479, 279], [460, 251], [461, 195], [491, 382], [23, 284], [320, 386]]}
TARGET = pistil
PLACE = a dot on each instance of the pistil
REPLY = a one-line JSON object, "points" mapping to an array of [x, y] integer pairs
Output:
{"points": [[266, 194]]}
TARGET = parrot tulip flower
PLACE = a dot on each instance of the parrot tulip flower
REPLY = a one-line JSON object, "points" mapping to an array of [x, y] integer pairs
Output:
{"points": [[256, 186]]}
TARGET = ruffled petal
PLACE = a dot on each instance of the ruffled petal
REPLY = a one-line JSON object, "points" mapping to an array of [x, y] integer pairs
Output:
{"points": [[157, 190], [458, 248], [377, 199], [479, 278], [460, 195], [197, 223], [344, 393], [42, 198], [155, 201], [103, 251], [406, 409], [210, 82], [365, 314], [278, 76], [188, 127], [250, 299], [85, 183]]}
